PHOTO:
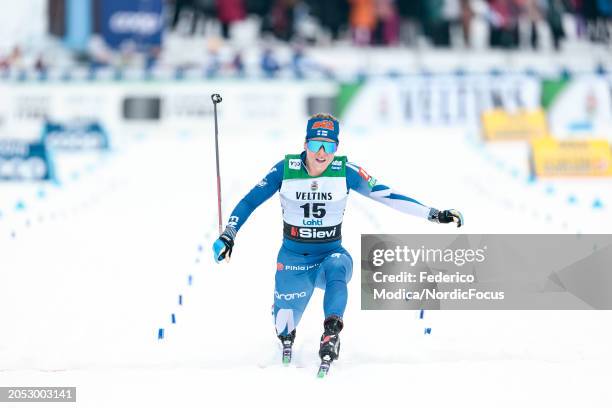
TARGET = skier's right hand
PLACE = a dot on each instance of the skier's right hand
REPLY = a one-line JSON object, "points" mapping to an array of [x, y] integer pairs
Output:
{"points": [[222, 247]]}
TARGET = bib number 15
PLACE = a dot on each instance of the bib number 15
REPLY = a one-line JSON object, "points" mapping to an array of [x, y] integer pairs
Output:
{"points": [[318, 210]]}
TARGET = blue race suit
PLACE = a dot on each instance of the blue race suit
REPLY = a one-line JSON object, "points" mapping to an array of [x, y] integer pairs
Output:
{"points": [[306, 263]]}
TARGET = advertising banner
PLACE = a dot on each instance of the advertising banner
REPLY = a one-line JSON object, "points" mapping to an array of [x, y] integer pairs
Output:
{"points": [[499, 125], [580, 106], [76, 135], [278, 106], [138, 21], [22, 161], [571, 158], [438, 100]]}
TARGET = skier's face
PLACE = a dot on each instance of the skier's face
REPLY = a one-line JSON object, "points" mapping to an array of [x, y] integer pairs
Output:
{"points": [[318, 161]]}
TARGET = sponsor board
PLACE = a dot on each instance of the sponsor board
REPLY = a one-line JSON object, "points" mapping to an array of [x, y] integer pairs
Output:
{"points": [[22, 161], [180, 105], [138, 21], [580, 106], [76, 135], [571, 158], [439, 100], [499, 125]]}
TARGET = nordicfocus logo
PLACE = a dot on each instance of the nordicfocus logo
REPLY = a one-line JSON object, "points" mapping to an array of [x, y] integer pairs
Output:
{"points": [[295, 164], [289, 296]]}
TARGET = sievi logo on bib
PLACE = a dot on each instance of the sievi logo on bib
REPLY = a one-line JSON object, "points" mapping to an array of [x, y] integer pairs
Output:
{"points": [[309, 234]]}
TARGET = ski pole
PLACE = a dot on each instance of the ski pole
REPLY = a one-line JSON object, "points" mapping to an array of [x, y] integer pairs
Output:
{"points": [[216, 98]]}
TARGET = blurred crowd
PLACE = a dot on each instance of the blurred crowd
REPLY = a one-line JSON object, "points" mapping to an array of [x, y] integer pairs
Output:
{"points": [[504, 24], [392, 22]]}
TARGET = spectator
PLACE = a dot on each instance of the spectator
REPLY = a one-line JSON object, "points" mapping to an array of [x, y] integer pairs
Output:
{"points": [[332, 14], [229, 12], [533, 11], [262, 9], [4, 62], [363, 20], [412, 14], [152, 57], [269, 64], [237, 64], [199, 9], [13, 60], [467, 14], [552, 11], [503, 23], [213, 64], [387, 27], [554, 15], [283, 19], [100, 55], [436, 21], [596, 12], [298, 61]]}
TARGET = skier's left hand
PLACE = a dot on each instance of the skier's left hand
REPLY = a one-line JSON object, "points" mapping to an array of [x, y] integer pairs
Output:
{"points": [[448, 216]]}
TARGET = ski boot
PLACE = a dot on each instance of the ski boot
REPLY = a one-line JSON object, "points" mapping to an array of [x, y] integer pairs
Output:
{"points": [[287, 342], [329, 349]]}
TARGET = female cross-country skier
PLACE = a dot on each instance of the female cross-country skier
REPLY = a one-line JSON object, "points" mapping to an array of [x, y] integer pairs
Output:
{"points": [[314, 187]]}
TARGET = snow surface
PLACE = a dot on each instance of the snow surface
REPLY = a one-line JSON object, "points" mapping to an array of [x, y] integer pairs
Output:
{"points": [[90, 270]]}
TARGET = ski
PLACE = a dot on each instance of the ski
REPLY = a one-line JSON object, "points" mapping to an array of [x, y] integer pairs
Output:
{"points": [[287, 354], [287, 344], [324, 367]]}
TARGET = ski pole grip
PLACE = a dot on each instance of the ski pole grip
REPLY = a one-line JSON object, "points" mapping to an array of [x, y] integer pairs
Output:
{"points": [[216, 98]]}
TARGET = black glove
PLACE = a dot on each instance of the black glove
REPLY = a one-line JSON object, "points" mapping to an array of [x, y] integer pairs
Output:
{"points": [[222, 247], [446, 217]]}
